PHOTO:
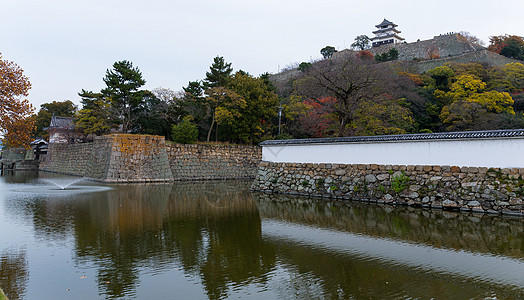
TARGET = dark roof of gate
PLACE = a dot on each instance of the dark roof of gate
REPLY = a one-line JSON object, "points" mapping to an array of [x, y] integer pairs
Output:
{"points": [[61, 123], [487, 134]]}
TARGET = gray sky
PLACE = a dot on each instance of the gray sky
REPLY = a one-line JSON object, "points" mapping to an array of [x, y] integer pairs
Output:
{"points": [[67, 45]]}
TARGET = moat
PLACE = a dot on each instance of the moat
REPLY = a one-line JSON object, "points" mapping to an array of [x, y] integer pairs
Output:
{"points": [[217, 240]]}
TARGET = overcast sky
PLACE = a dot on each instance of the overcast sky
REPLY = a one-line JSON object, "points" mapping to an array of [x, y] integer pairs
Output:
{"points": [[67, 45]]}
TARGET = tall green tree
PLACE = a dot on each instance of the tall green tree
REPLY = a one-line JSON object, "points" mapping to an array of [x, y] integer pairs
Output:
{"points": [[94, 118], [154, 115], [122, 88], [261, 107], [224, 106], [193, 104], [219, 73]]}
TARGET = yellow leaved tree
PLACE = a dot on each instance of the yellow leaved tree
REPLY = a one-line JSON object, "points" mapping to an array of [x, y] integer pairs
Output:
{"points": [[470, 103], [15, 123]]}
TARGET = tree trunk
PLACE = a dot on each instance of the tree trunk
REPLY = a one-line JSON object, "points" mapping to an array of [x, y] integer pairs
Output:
{"points": [[216, 134], [211, 127]]}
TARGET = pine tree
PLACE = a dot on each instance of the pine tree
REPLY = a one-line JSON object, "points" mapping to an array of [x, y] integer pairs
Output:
{"points": [[219, 73], [123, 82]]}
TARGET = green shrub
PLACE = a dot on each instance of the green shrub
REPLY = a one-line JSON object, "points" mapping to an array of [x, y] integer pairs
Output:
{"points": [[305, 183], [399, 182], [185, 132], [392, 54], [304, 66], [320, 183]]}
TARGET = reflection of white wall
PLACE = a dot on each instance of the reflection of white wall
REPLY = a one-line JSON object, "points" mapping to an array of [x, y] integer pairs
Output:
{"points": [[478, 266], [503, 153]]}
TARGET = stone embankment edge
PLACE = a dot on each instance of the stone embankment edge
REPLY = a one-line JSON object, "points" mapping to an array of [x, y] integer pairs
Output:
{"points": [[469, 189], [123, 181]]}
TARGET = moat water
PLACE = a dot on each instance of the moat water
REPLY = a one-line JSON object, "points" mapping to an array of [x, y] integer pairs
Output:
{"points": [[217, 240]]}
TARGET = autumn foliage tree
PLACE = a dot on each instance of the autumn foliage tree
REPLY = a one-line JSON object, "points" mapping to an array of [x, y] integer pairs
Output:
{"points": [[470, 101], [358, 96], [511, 46], [15, 123], [365, 54]]}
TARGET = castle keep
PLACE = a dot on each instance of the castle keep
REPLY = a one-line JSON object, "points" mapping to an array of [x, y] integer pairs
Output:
{"points": [[386, 34]]}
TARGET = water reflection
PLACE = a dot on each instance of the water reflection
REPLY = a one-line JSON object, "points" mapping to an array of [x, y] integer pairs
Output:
{"points": [[212, 232], [14, 273], [499, 235], [227, 242]]}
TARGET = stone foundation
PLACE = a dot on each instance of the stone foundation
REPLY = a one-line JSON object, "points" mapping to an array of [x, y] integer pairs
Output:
{"points": [[145, 158], [204, 162], [18, 159], [489, 190]]}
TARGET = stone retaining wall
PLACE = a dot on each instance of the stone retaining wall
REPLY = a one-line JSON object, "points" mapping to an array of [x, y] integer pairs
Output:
{"points": [[146, 158], [442, 46], [133, 158], [18, 159], [481, 57], [202, 162], [490, 190], [66, 158], [13, 153], [112, 158]]}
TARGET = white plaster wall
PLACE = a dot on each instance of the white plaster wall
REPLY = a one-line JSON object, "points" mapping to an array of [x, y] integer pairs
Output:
{"points": [[503, 153]]}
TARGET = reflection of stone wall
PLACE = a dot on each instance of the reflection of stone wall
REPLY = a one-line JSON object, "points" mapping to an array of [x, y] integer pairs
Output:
{"points": [[196, 162], [491, 190], [447, 229], [145, 158]]}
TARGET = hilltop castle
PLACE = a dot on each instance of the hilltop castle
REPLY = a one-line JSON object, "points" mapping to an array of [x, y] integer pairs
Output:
{"points": [[419, 56], [428, 54], [386, 34]]}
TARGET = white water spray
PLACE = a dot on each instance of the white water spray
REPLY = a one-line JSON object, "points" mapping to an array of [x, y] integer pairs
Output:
{"points": [[63, 183]]}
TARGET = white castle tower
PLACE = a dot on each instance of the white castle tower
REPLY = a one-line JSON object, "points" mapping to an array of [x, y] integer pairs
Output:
{"points": [[386, 34]]}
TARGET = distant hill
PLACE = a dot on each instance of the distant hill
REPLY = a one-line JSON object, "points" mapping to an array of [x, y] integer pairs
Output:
{"points": [[438, 51], [418, 57]]}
